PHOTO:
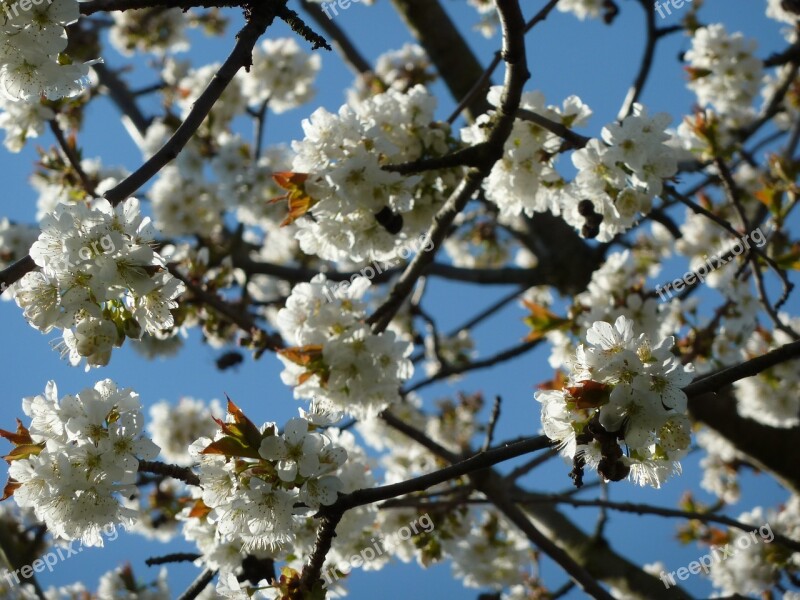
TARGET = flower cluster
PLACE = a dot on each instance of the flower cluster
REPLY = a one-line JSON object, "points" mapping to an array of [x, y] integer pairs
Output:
{"points": [[21, 121], [32, 59], [617, 289], [619, 176], [492, 553], [15, 240], [489, 20], [358, 208], [281, 74], [581, 8], [174, 428], [157, 30], [399, 70], [100, 281], [773, 397], [257, 483], [754, 567], [621, 389], [120, 583], [723, 72], [337, 360], [525, 180], [720, 466], [782, 11], [185, 199], [78, 454], [190, 85]]}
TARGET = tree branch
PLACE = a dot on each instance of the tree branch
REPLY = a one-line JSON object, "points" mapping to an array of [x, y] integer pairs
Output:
{"points": [[516, 75], [181, 473], [258, 20]]}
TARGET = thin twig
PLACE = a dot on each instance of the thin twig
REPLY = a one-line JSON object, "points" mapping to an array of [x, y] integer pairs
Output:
{"points": [[181, 473], [261, 123], [575, 140], [172, 558], [121, 96], [495, 416], [647, 61], [198, 585], [647, 509], [498, 358], [529, 466], [293, 20], [72, 158], [482, 83], [238, 317]]}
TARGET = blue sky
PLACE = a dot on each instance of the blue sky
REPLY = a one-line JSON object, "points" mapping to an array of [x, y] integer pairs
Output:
{"points": [[566, 57]]}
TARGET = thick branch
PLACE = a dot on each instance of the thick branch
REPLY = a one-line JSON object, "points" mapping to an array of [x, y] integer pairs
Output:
{"points": [[516, 75], [94, 6], [259, 19], [719, 379], [181, 473], [768, 448], [598, 559], [121, 96], [331, 515]]}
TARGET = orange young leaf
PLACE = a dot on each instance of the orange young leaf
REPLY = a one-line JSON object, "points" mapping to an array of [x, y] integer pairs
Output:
{"points": [[302, 355], [11, 486], [696, 73], [199, 510], [225, 427], [244, 427], [18, 438], [589, 394], [770, 197], [298, 199], [23, 451], [790, 260], [557, 383], [303, 377], [541, 320]]}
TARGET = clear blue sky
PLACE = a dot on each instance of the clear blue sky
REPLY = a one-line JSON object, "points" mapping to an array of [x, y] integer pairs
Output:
{"points": [[566, 57]]}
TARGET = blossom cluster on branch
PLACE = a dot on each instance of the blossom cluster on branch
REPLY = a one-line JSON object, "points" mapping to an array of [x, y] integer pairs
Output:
{"points": [[32, 45], [623, 389], [100, 280]]}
